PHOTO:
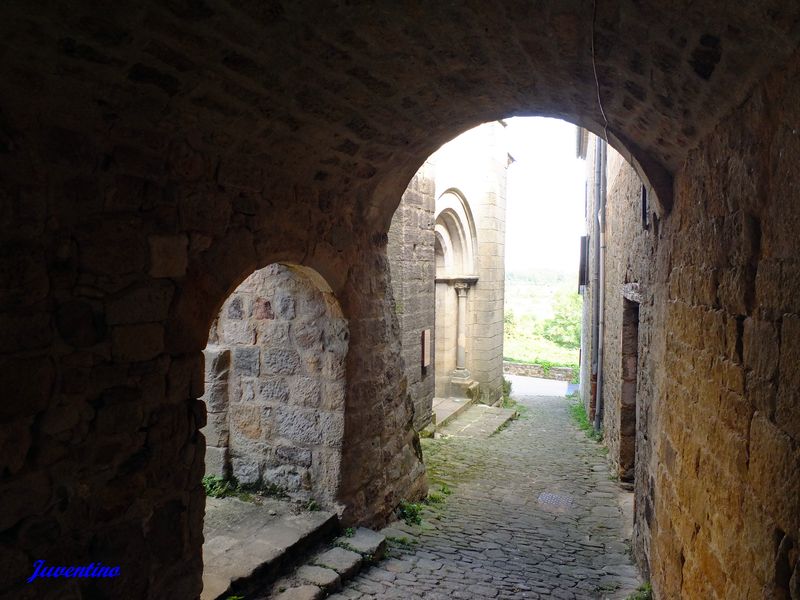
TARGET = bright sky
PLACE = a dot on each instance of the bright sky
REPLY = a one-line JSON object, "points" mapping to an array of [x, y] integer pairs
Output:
{"points": [[545, 195]]}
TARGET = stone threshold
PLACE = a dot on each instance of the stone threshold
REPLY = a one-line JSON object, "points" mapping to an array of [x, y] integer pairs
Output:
{"points": [[478, 421], [447, 409], [248, 545]]}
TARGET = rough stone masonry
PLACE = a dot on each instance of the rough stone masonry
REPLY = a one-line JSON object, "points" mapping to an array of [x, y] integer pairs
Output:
{"points": [[714, 420], [154, 155], [275, 385]]}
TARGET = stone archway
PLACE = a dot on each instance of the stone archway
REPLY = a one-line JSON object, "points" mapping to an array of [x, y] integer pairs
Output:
{"points": [[455, 233], [156, 154], [275, 385]]}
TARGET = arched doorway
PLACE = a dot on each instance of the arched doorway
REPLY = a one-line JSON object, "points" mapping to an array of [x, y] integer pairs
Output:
{"points": [[455, 249], [275, 385], [140, 147]]}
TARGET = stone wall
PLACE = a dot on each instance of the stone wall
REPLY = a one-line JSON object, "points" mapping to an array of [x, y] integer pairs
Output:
{"points": [[116, 258], [629, 255], [155, 155], [717, 463], [275, 385], [413, 272], [629, 271], [526, 370], [726, 462]]}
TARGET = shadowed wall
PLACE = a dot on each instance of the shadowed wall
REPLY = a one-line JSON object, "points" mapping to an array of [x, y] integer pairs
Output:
{"points": [[154, 155]]}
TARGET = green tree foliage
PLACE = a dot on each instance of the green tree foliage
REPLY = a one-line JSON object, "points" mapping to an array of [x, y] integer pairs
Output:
{"points": [[564, 327], [542, 319]]}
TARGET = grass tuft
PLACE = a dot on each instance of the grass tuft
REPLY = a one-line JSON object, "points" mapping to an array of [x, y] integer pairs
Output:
{"points": [[410, 512], [401, 542], [509, 402], [643, 592], [578, 413], [217, 487], [434, 498]]}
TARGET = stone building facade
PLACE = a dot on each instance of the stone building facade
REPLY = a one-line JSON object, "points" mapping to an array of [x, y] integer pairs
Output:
{"points": [[154, 156], [446, 252], [626, 323], [413, 271], [626, 379], [699, 372]]}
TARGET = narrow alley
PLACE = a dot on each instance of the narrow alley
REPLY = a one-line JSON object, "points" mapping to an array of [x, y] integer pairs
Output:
{"points": [[533, 513]]}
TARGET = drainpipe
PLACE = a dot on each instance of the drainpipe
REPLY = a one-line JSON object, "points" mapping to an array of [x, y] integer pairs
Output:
{"points": [[595, 283], [601, 226]]}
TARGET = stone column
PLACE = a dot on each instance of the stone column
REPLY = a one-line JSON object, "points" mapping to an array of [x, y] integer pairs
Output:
{"points": [[461, 372]]}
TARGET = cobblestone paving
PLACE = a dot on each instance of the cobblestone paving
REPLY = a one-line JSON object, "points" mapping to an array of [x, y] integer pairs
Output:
{"points": [[494, 538]]}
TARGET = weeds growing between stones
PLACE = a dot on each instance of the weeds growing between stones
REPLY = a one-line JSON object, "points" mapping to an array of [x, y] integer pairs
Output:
{"points": [[410, 512], [578, 413], [643, 592], [217, 487]]}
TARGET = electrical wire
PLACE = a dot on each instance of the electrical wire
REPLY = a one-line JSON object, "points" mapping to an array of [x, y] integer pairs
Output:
{"points": [[594, 69]]}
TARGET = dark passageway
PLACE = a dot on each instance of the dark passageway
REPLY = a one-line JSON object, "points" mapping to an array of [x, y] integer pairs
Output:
{"points": [[153, 155]]}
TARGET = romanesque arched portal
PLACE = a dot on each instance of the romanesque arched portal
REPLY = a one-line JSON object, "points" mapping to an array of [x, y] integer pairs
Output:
{"points": [[456, 272]]}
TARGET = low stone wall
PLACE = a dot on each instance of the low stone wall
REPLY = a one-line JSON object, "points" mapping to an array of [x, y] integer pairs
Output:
{"points": [[526, 370]]}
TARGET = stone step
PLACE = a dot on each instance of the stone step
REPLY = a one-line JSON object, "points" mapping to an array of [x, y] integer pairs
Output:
{"points": [[249, 545], [323, 577], [345, 562], [367, 543], [326, 571], [479, 421], [447, 409], [301, 592]]}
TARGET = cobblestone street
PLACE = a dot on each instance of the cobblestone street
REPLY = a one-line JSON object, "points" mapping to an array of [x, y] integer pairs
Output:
{"points": [[533, 513]]}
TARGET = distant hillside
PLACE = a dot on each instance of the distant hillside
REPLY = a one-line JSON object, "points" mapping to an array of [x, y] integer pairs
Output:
{"points": [[542, 316], [547, 277]]}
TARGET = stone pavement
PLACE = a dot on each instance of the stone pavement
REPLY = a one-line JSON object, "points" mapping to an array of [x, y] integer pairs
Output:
{"points": [[533, 513]]}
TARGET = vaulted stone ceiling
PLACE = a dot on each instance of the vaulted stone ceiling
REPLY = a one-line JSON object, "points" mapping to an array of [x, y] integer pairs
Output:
{"points": [[154, 154], [353, 96]]}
